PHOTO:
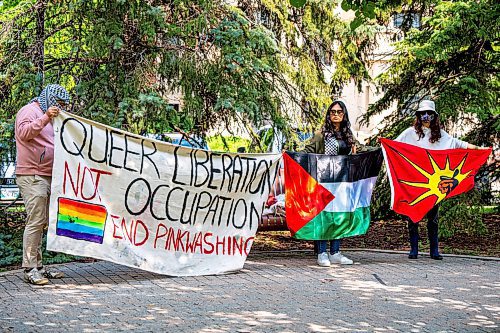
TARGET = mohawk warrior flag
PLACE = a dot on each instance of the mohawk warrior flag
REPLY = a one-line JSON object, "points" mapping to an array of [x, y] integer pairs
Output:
{"points": [[328, 197], [422, 178]]}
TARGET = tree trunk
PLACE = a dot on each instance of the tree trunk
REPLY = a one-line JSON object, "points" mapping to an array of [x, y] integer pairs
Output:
{"points": [[39, 56]]}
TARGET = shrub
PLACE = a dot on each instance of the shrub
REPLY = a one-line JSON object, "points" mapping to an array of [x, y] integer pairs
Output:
{"points": [[462, 214]]}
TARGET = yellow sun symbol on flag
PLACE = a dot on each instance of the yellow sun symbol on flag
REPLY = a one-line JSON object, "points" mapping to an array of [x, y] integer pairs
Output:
{"points": [[441, 182]]}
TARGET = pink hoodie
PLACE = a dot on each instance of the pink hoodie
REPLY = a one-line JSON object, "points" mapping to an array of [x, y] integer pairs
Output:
{"points": [[34, 141]]}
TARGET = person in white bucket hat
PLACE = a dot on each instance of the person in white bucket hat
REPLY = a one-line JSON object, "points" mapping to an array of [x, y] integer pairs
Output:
{"points": [[426, 133], [427, 105]]}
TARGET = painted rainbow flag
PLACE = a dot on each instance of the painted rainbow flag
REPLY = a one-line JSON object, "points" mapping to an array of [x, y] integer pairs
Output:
{"points": [[81, 220]]}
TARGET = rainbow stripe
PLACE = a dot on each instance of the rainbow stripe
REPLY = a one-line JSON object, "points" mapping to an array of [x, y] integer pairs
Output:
{"points": [[81, 220]]}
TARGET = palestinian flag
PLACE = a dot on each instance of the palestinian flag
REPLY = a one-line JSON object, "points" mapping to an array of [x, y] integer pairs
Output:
{"points": [[422, 178], [328, 197]]}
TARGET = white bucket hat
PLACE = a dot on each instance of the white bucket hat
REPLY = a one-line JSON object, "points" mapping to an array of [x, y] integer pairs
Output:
{"points": [[427, 105]]}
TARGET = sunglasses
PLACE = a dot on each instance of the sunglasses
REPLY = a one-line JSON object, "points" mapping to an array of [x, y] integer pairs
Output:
{"points": [[336, 112], [426, 116]]}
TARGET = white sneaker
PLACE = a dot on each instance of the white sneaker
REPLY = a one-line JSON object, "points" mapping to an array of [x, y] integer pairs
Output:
{"points": [[323, 259], [51, 273], [34, 277], [339, 258]]}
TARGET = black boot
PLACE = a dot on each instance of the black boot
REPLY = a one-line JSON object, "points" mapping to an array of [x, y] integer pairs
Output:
{"points": [[413, 232], [432, 231]]}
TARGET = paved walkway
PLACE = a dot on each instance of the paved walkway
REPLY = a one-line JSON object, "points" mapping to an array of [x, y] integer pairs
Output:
{"points": [[283, 293]]}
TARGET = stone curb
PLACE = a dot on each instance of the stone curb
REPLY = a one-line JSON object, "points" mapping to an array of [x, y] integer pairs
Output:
{"points": [[20, 270], [311, 251], [462, 256]]}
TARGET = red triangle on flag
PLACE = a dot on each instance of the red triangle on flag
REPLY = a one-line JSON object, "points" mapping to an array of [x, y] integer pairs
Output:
{"points": [[305, 198]]}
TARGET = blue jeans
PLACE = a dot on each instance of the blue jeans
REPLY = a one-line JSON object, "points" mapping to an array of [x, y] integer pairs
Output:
{"points": [[334, 246]]}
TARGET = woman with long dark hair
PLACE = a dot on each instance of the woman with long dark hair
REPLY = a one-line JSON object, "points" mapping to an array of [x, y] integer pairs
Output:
{"points": [[426, 133], [334, 138]]}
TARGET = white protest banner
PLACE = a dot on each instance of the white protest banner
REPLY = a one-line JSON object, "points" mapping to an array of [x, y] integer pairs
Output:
{"points": [[159, 207]]}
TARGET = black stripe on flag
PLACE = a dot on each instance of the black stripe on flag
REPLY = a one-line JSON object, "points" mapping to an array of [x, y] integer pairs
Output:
{"points": [[340, 168]]}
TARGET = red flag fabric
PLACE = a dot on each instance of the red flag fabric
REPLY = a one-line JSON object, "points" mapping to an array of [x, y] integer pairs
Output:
{"points": [[421, 178], [328, 197], [305, 198]]}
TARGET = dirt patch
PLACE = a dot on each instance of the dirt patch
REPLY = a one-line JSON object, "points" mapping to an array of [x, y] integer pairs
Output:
{"points": [[393, 235]]}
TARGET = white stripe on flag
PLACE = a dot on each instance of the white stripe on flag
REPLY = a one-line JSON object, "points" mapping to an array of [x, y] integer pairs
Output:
{"points": [[350, 196]]}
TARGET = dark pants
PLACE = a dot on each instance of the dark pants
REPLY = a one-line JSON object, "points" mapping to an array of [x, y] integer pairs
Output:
{"points": [[432, 231], [322, 244]]}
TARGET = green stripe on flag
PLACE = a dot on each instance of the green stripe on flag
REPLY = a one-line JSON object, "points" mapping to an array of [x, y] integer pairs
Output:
{"points": [[87, 223], [336, 225]]}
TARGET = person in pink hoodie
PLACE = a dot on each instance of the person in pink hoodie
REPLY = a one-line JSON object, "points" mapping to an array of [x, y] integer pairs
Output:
{"points": [[35, 155]]}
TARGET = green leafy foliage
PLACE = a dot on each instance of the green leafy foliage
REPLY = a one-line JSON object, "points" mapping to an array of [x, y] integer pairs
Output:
{"points": [[227, 144], [462, 214], [11, 248], [297, 3], [453, 58], [250, 63]]}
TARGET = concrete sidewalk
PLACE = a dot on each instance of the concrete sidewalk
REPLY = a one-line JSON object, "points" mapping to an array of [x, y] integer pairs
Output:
{"points": [[381, 292]]}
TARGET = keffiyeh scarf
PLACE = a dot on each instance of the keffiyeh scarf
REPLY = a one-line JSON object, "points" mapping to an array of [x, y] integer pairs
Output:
{"points": [[51, 95], [331, 145]]}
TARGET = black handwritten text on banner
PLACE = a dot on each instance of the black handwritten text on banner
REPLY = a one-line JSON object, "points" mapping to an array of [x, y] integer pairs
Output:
{"points": [[143, 203]]}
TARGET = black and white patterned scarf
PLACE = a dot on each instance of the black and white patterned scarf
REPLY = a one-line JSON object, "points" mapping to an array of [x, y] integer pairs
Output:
{"points": [[331, 145], [50, 96]]}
